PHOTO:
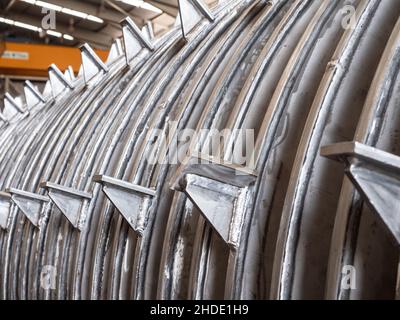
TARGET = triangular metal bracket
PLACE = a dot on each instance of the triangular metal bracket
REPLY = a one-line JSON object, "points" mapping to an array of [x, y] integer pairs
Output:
{"points": [[191, 12], [11, 107], [147, 31], [3, 119], [134, 41], [116, 52], [177, 20], [80, 71], [376, 175], [131, 200], [30, 204], [72, 203], [92, 64], [69, 74], [5, 206], [32, 95], [47, 92], [59, 83], [219, 192]]}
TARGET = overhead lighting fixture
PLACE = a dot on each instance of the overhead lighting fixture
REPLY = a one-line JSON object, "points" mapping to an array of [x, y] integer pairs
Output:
{"points": [[8, 21], [46, 5], [143, 5], [68, 37], [36, 29], [27, 26], [54, 33], [71, 12]]}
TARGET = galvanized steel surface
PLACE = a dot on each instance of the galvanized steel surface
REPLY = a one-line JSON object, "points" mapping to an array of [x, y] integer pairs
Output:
{"points": [[85, 215]]}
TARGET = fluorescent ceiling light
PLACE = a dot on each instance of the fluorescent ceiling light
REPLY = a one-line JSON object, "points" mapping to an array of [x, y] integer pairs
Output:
{"points": [[68, 11], [36, 29], [46, 5], [26, 26], [74, 13], [8, 21], [68, 37], [95, 19], [54, 33], [143, 5]]}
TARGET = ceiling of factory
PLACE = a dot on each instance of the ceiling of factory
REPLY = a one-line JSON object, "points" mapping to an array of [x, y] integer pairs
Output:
{"points": [[93, 21]]}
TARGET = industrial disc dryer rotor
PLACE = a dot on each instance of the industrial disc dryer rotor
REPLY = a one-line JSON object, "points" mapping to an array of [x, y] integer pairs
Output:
{"points": [[104, 197]]}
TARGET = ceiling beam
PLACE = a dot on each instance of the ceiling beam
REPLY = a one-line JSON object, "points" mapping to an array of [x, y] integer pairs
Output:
{"points": [[116, 7], [113, 16], [100, 40], [106, 15], [9, 5], [170, 9], [171, 4]]}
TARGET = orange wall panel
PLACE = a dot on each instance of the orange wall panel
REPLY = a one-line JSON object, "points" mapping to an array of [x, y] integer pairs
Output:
{"points": [[33, 59]]}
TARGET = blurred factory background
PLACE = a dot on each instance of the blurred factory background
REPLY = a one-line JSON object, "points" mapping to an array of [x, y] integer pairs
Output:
{"points": [[34, 34]]}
